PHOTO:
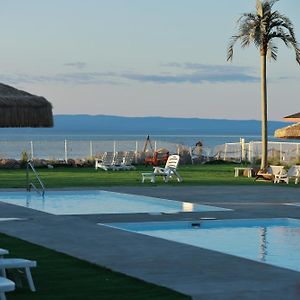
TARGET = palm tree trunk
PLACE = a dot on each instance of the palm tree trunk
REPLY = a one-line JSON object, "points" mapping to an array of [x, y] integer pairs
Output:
{"points": [[264, 117]]}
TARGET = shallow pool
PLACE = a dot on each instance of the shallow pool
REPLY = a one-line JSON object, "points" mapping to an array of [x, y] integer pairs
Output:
{"points": [[99, 202], [272, 241]]}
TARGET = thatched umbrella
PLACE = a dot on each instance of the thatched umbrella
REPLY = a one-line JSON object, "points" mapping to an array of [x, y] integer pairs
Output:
{"points": [[289, 132], [292, 118], [292, 131], [21, 109]]}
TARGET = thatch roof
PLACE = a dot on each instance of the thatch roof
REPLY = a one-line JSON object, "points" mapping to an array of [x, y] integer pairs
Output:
{"points": [[21, 109], [289, 132], [293, 118]]}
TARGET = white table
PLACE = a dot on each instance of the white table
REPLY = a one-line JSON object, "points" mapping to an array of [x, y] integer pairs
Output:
{"points": [[237, 171]]}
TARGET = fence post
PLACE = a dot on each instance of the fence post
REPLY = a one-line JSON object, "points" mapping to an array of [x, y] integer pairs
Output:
{"points": [[243, 150], [31, 149], [297, 151], [250, 151], [191, 154], [114, 147], [225, 151], [66, 151], [280, 152], [136, 151], [91, 149]]}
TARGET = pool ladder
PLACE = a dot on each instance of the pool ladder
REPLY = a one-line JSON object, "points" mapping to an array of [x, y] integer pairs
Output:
{"points": [[37, 176]]}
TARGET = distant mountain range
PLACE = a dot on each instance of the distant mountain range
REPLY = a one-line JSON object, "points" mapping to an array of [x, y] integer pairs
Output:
{"points": [[154, 125]]}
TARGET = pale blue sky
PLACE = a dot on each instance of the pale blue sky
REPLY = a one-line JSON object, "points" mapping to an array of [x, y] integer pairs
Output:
{"points": [[142, 57]]}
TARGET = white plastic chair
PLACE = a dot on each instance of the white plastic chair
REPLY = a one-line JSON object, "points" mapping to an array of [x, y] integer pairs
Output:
{"points": [[128, 160], [167, 172], [118, 160], [18, 263], [270, 174], [6, 285], [106, 162], [293, 172]]}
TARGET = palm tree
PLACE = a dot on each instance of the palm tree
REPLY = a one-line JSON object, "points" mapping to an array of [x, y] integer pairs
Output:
{"points": [[262, 28]]}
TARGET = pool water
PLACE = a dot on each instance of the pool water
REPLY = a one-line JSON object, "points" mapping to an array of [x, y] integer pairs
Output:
{"points": [[272, 241], [99, 202]]}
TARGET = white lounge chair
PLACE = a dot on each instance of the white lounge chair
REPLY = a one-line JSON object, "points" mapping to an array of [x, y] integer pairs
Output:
{"points": [[18, 263], [128, 160], [293, 172], [6, 285], [167, 172], [270, 174], [118, 160], [106, 162]]}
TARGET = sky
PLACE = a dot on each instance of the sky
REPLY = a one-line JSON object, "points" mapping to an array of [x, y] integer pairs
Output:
{"points": [[143, 58]]}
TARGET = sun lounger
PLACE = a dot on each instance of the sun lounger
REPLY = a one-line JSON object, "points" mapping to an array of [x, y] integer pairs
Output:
{"points": [[6, 285], [293, 172], [106, 162], [118, 160], [269, 175], [167, 172], [18, 263], [128, 160]]}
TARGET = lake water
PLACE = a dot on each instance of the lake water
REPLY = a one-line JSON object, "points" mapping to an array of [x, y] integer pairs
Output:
{"points": [[186, 139]]}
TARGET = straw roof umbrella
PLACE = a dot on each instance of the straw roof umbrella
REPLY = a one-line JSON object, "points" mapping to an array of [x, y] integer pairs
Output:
{"points": [[289, 132], [293, 118], [21, 109], [292, 131]]}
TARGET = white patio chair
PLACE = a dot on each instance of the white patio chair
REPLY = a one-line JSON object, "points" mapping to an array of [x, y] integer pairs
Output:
{"points": [[118, 160], [293, 172], [167, 172], [18, 263], [6, 285], [270, 174], [106, 162], [128, 160]]}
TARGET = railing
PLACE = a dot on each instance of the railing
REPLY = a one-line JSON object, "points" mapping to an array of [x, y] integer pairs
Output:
{"points": [[74, 149], [37, 176], [288, 152]]}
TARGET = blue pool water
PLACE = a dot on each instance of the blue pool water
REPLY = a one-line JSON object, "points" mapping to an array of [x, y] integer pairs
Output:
{"points": [[99, 202], [272, 241]]}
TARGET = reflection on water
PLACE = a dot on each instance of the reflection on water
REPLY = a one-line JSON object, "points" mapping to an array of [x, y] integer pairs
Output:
{"points": [[263, 244], [187, 207], [40, 200]]}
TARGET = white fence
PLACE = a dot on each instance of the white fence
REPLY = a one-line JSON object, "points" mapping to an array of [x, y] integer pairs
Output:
{"points": [[65, 149], [281, 151]]}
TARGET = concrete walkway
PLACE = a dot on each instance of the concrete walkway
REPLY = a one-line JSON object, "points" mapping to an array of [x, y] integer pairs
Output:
{"points": [[194, 271]]}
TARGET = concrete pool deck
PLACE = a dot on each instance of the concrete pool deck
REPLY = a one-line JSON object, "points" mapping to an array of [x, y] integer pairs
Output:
{"points": [[200, 273]]}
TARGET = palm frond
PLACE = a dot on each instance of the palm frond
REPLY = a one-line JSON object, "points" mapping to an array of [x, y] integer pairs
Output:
{"points": [[259, 8], [262, 28], [272, 51], [232, 42]]}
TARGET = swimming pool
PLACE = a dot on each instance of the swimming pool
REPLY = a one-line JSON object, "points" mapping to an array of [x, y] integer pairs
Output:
{"points": [[271, 241], [99, 202]]}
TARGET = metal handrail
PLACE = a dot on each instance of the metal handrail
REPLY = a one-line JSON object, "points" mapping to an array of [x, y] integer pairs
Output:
{"points": [[37, 176]]}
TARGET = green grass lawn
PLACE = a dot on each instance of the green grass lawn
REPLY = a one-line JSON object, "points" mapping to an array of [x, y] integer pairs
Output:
{"points": [[61, 277], [210, 174]]}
